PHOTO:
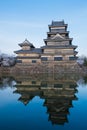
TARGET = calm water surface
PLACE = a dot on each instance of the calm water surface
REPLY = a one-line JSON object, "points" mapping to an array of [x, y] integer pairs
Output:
{"points": [[49, 103]]}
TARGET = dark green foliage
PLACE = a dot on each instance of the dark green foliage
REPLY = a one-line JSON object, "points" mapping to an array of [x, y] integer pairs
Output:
{"points": [[85, 61], [85, 79]]}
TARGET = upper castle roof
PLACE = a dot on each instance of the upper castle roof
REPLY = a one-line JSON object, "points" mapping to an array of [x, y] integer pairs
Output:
{"points": [[57, 23], [26, 43]]}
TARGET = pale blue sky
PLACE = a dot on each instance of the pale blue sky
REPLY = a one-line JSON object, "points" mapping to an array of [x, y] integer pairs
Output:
{"points": [[20, 19]]}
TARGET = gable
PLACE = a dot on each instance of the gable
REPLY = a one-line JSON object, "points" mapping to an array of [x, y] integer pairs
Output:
{"points": [[58, 37]]}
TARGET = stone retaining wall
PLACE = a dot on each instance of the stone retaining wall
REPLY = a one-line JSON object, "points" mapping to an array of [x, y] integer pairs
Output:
{"points": [[65, 67]]}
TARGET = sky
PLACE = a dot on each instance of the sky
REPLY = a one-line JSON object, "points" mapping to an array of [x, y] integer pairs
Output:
{"points": [[21, 19]]}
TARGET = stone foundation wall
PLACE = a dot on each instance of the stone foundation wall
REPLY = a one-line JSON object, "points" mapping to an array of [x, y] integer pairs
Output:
{"points": [[64, 67]]}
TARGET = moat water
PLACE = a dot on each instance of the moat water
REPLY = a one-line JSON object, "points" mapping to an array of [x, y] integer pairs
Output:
{"points": [[43, 103]]}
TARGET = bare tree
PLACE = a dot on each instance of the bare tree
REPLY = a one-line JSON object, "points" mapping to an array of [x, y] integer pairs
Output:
{"points": [[6, 60]]}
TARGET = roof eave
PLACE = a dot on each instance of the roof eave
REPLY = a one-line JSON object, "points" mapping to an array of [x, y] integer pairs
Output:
{"points": [[57, 32], [65, 25], [48, 40]]}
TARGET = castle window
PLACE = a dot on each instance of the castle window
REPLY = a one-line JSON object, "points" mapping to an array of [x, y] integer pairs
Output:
{"points": [[44, 84], [58, 58], [33, 61], [44, 58], [72, 85], [33, 82], [72, 58], [19, 61], [58, 85], [70, 43]]}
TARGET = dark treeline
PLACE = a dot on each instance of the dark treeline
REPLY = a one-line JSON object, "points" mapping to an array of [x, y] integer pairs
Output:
{"points": [[6, 60], [82, 60], [85, 61]]}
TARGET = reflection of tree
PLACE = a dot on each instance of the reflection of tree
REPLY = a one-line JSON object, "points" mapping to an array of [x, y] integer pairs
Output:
{"points": [[57, 92], [82, 81], [6, 82], [85, 79]]}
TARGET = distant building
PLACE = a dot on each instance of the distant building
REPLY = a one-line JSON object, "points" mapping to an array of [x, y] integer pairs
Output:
{"points": [[58, 47]]}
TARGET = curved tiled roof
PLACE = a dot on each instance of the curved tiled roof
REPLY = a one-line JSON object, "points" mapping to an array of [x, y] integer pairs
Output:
{"points": [[58, 23], [26, 43], [35, 50], [60, 47]]}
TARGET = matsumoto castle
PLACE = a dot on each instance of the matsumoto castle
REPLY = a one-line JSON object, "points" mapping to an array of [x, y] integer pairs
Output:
{"points": [[58, 47]]}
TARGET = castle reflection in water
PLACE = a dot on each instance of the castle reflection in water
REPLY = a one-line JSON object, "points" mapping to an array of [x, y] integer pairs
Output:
{"points": [[58, 92]]}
